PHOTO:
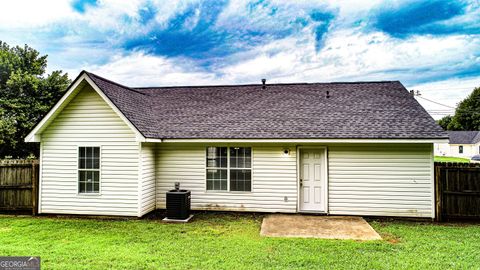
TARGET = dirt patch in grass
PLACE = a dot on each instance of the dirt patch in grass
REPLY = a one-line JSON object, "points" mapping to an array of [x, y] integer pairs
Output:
{"points": [[391, 238]]}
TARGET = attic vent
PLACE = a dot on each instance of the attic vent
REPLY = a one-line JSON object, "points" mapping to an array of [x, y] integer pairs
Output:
{"points": [[328, 94], [263, 83]]}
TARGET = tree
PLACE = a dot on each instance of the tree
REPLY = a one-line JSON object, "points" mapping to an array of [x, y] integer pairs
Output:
{"points": [[26, 95], [444, 121], [467, 114]]}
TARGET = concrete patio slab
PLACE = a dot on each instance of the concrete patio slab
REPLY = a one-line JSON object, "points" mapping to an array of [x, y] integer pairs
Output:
{"points": [[328, 227]]}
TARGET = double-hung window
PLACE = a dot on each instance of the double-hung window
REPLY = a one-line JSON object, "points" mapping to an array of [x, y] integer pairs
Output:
{"points": [[217, 168], [88, 169], [229, 168]]}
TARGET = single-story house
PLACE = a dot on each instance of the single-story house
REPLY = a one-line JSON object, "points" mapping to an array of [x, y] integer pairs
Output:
{"points": [[347, 148], [464, 144]]}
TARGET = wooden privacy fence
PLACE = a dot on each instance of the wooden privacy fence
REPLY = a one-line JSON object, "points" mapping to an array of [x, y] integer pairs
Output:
{"points": [[19, 186], [457, 190]]}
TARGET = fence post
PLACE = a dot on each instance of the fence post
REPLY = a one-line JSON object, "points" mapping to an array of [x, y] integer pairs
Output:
{"points": [[34, 188], [438, 193]]}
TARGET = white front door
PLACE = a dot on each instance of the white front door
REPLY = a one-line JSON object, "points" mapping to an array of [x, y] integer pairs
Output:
{"points": [[312, 180]]}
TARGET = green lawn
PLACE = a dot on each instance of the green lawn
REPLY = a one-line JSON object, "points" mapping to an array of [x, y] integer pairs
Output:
{"points": [[451, 159], [220, 241]]}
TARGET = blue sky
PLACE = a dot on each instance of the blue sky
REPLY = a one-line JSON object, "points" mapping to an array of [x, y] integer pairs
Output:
{"points": [[432, 46]]}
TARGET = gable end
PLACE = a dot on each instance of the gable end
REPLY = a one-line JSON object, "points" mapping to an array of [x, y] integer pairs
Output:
{"points": [[82, 81]]}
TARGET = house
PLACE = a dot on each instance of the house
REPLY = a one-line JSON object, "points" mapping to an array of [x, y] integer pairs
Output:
{"points": [[464, 144], [363, 148]]}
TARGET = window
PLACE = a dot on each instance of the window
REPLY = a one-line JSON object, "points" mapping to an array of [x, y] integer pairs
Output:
{"points": [[217, 168], [240, 169], [88, 169], [229, 168], [460, 149]]}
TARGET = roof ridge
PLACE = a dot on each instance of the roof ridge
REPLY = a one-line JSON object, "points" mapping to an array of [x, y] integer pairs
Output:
{"points": [[255, 84], [112, 82]]}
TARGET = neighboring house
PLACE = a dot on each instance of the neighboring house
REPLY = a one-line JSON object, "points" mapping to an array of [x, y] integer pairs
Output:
{"points": [[464, 144], [361, 148]]}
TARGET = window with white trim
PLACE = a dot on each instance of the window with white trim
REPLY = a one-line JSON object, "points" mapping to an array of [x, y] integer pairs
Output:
{"points": [[229, 168], [88, 169], [460, 149]]}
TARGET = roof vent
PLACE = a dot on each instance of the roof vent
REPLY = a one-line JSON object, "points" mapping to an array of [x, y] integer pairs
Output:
{"points": [[328, 94], [263, 83]]}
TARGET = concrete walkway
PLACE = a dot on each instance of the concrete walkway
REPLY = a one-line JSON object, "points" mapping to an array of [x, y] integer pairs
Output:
{"points": [[329, 227]]}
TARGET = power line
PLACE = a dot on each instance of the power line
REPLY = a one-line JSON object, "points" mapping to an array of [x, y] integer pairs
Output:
{"points": [[450, 88], [452, 112], [438, 103], [417, 94], [443, 112]]}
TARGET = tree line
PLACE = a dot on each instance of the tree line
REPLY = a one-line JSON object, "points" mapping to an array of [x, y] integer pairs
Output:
{"points": [[467, 114], [26, 95]]}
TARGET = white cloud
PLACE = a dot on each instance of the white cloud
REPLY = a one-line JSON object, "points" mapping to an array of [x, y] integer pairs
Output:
{"points": [[278, 14], [105, 15], [138, 69], [191, 22], [354, 55], [32, 13], [276, 61], [109, 15]]}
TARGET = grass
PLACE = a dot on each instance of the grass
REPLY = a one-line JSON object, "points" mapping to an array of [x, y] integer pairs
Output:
{"points": [[451, 159], [221, 241]]}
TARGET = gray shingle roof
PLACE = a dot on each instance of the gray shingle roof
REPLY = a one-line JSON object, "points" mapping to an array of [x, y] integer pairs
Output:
{"points": [[477, 138], [383, 110], [464, 137]]}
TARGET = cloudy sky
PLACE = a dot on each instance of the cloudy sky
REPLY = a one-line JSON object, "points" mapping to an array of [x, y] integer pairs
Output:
{"points": [[431, 46]]}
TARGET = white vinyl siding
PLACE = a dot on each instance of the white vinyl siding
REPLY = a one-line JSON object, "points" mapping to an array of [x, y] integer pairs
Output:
{"points": [[364, 179], [273, 178], [147, 182], [452, 150], [381, 180], [468, 150], [88, 121], [368, 179]]}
